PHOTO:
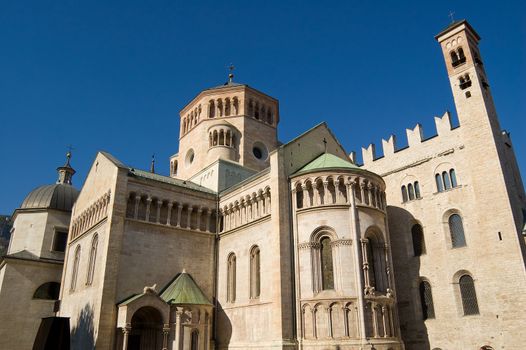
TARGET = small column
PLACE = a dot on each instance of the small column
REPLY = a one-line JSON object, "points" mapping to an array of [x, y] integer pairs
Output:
{"points": [[371, 194], [169, 213], [384, 322], [189, 217], [391, 321], [177, 340], [158, 216], [306, 199], [375, 320], [387, 269], [166, 332], [126, 333], [365, 263], [362, 187], [329, 323], [345, 311], [326, 193], [269, 204], [208, 217], [148, 205], [314, 333], [179, 210], [199, 212], [136, 209]]}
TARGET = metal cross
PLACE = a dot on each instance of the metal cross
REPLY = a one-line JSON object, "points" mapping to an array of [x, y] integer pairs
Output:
{"points": [[231, 74], [451, 13]]}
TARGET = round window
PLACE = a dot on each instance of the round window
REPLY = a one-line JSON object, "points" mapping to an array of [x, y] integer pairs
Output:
{"points": [[190, 155], [259, 151]]}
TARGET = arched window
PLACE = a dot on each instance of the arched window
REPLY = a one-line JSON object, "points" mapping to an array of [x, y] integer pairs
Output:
{"points": [[327, 270], [299, 197], [411, 191], [74, 274], [456, 230], [445, 178], [92, 259], [231, 278], [255, 273], [454, 57], [426, 300], [468, 295], [195, 340], [461, 55], [256, 112], [417, 190], [453, 177], [404, 194], [419, 246], [48, 291], [211, 109], [438, 180]]}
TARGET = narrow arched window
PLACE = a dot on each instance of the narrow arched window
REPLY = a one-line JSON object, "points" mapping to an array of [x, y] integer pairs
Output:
{"points": [[231, 279], [75, 271], [299, 197], [445, 178], [438, 180], [371, 263], [48, 291], [417, 190], [404, 194], [453, 177], [426, 300], [468, 295], [419, 246], [327, 269], [211, 109], [456, 229], [195, 340], [255, 273], [92, 259], [461, 55], [411, 192]]}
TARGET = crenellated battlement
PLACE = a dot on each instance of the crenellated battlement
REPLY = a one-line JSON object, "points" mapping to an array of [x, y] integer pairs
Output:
{"points": [[415, 137]]}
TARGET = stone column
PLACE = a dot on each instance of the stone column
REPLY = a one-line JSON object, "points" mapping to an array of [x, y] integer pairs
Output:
{"points": [[306, 199], [384, 322], [326, 193], [169, 213], [158, 217], [208, 216], [329, 323], [375, 320], [177, 340], [125, 334], [199, 213], [189, 217], [365, 264], [345, 311], [136, 209], [148, 205], [362, 187], [387, 269], [166, 332], [179, 210]]}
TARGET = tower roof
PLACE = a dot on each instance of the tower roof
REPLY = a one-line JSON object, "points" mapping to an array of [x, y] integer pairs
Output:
{"points": [[455, 24], [327, 161], [184, 290]]}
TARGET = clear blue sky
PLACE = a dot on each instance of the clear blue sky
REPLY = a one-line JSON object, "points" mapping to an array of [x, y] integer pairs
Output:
{"points": [[113, 75]]}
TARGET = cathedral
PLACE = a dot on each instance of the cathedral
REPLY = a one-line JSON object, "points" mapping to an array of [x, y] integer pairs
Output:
{"points": [[251, 243]]}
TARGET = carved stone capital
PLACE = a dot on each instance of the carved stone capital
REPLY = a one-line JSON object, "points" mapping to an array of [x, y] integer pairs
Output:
{"points": [[341, 242]]}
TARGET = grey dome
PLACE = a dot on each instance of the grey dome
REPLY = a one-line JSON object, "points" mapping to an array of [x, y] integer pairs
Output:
{"points": [[58, 196]]}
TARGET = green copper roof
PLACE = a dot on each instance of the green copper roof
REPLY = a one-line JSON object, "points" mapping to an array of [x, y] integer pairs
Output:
{"points": [[183, 290], [327, 161]]}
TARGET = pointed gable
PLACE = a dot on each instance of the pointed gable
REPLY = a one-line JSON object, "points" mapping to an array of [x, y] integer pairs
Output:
{"points": [[184, 290]]}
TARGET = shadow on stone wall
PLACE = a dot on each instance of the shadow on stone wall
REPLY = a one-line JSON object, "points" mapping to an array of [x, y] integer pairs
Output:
{"points": [[83, 334], [407, 276], [223, 328]]}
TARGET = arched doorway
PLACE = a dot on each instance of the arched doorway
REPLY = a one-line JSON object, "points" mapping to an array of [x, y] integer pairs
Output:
{"points": [[146, 330]]}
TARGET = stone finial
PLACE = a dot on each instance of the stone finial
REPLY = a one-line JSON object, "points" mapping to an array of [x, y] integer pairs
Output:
{"points": [[150, 289]]}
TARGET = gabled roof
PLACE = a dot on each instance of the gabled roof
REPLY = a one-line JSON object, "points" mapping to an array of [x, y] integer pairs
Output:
{"points": [[184, 290], [455, 24], [169, 180], [327, 161]]}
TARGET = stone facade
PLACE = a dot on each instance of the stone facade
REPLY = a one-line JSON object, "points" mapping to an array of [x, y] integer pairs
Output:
{"points": [[294, 246]]}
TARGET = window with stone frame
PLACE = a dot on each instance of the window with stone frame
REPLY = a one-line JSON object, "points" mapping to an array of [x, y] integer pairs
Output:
{"points": [[456, 231], [60, 240], [231, 278], [327, 267], [468, 295], [419, 245], [47, 291], [426, 300], [255, 273]]}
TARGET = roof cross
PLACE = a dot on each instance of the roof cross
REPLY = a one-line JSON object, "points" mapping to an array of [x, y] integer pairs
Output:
{"points": [[451, 13], [231, 74]]}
